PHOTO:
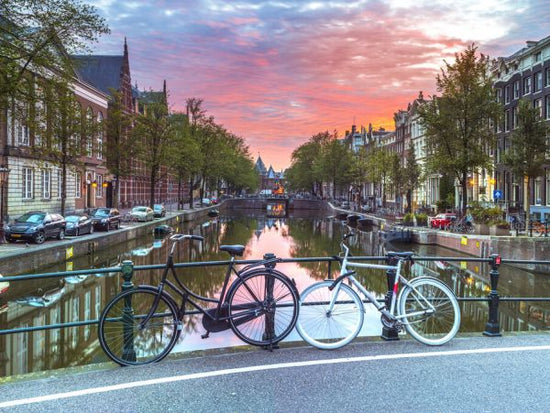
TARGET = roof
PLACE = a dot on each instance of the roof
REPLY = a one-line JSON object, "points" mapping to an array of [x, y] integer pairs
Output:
{"points": [[103, 72]]}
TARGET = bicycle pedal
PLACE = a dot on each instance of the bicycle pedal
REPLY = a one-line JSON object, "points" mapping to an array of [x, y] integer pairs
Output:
{"points": [[205, 335]]}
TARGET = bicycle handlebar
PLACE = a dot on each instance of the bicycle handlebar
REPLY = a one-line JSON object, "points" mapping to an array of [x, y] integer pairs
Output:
{"points": [[179, 237]]}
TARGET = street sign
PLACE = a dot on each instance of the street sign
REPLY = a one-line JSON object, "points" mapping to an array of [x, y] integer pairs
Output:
{"points": [[497, 194]]}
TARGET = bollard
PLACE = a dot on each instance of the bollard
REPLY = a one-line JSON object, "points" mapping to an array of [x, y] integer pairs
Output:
{"points": [[390, 333], [128, 351], [492, 328], [269, 331]]}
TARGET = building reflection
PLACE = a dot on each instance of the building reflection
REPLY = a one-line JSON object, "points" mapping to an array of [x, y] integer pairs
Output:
{"points": [[77, 298]]}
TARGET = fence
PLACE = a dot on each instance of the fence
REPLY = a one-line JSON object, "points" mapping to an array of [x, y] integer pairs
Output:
{"points": [[127, 270]]}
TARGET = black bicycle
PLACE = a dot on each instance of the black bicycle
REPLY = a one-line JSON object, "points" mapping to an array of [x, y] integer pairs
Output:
{"points": [[141, 325]]}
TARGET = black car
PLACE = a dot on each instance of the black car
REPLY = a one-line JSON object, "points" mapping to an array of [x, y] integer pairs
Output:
{"points": [[78, 225], [36, 226], [105, 218]]}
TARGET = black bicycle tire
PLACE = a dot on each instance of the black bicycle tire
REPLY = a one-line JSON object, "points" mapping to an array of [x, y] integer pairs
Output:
{"points": [[110, 343], [235, 308]]}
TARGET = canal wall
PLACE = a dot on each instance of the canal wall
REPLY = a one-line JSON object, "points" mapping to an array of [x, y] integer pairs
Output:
{"points": [[18, 259], [261, 203]]}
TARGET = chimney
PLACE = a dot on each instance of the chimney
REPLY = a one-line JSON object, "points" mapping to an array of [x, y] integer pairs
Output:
{"points": [[531, 43]]}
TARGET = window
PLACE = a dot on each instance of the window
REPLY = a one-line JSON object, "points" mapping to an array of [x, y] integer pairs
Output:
{"points": [[46, 183], [516, 89], [99, 189], [507, 94], [498, 95], [527, 85], [77, 185], [28, 184], [507, 120], [514, 117], [22, 132], [89, 132], [538, 57], [100, 136], [547, 105], [538, 81], [537, 103], [59, 183], [547, 77]]}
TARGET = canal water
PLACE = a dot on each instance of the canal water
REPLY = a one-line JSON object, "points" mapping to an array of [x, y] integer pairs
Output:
{"points": [[51, 301]]}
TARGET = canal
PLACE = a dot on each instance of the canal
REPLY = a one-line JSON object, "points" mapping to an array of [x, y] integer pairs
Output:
{"points": [[51, 301]]}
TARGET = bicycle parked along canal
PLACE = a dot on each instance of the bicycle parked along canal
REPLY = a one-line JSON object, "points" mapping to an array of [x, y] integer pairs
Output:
{"points": [[141, 325], [331, 312]]}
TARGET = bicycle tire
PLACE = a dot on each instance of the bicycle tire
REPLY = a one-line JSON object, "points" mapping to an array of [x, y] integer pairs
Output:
{"points": [[120, 334], [257, 317], [329, 331], [431, 329]]}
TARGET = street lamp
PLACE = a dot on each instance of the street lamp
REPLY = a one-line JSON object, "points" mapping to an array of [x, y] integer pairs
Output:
{"points": [[4, 172]]}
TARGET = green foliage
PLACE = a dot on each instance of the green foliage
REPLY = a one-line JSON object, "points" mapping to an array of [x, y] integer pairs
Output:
{"points": [[484, 215], [458, 123]]}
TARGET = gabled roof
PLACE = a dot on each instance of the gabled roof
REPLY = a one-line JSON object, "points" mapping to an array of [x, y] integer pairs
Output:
{"points": [[104, 72]]}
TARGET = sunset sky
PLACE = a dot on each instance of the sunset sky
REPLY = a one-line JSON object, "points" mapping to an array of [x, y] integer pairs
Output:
{"points": [[277, 72]]}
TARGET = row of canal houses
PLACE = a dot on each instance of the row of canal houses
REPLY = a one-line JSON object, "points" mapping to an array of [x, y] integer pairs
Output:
{"points": [[29, 183], [523, 75]]}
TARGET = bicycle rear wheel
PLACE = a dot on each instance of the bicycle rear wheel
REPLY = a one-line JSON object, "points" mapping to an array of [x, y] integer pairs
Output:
{"points": [[324, 329], [263, 307], [125, 340], [435, 328]]}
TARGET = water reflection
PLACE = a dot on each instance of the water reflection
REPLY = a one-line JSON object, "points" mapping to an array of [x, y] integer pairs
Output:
{"points": [[77, 298]]}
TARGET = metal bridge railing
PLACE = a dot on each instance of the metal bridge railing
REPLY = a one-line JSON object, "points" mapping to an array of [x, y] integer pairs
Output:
{"points": [[127, 269]]}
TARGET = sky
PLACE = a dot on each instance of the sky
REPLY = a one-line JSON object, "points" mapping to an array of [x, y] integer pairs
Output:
{"points": [[277, 72]]}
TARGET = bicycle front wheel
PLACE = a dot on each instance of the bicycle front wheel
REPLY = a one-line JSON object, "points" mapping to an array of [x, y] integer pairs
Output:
{"points": [[432, 327], [124, 337], [326, 328], [263, 308]]}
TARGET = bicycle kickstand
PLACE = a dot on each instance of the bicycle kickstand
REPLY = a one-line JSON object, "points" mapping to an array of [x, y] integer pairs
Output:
{"points": [[205, 335]]}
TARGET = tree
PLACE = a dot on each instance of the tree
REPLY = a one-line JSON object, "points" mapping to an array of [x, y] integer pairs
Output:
{"points": [[60, 130], [302, 175], [38, 36], [529, 148], [336, 164], [154, 137], [377, 170], [120, 148], [184, 157], [458, 124]]}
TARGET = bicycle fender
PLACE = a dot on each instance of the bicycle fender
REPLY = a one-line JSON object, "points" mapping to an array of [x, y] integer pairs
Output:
{"points": [[256, 271]]}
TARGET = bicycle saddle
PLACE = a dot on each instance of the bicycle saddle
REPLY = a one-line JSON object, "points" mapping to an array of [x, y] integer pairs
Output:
{"points": [[233, 249], [405, 255]]}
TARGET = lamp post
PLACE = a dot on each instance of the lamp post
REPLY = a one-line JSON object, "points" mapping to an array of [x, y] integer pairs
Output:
{"points": [[4, 172]]}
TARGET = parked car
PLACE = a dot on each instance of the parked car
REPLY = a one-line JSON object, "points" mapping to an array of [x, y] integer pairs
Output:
{"points": [[206, 201], [142, 213], [78, 225], [105, 218], [159, 210], [442, 221], [36, 226]]}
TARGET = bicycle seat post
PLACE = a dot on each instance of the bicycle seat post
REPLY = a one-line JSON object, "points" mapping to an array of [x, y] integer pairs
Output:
{"points": [[390, 333]]}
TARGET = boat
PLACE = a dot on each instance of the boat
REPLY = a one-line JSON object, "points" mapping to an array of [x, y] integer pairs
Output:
{"points": [[163, 229], [213, 213], [352, 219]]}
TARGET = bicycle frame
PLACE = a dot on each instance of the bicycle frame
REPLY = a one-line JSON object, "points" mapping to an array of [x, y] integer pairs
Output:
{"points": [[185, 293], [345, 274]]}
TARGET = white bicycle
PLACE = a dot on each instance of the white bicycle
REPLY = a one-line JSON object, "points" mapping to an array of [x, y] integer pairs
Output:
{"points": [[331, 312]]}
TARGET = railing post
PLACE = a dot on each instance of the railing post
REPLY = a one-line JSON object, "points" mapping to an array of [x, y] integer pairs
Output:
{"points": [[128, 351], [330, 270], [390, 333], [492, 328], [269, 331]]}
